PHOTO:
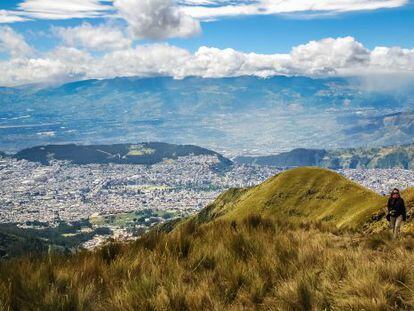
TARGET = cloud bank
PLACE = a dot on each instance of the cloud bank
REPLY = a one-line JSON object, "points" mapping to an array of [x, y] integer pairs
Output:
{"points": [[74, 59]]}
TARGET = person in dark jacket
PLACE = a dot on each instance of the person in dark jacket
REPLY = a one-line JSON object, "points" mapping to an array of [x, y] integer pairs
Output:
{"points": [[396, 212]]}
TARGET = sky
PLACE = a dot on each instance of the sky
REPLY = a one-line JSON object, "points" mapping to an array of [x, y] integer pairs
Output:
{"points": [[50, 41]]}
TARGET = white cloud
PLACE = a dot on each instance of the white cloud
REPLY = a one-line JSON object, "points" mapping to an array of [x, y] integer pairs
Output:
{"points": [[99, 38], [34, 70], [326, 57], [61, 65], [330, 55], [10, 17], [64, 9], [146, 60], [219, 8], [394, 59], [213, 62], [13, 43], [157, 19]]}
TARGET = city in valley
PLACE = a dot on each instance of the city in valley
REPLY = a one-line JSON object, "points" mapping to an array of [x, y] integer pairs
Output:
{"points": [[129, 199]]}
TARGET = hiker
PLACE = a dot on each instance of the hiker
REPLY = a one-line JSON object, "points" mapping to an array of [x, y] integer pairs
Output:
{"points": [[396, 212]]}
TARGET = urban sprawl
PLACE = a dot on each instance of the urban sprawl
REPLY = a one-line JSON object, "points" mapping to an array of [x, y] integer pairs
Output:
{"points": [[31, 192]]}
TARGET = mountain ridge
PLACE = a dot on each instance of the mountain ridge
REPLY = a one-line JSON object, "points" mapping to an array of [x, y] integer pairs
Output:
{"points": [[401, 156], [141, 153], [393, 156], [305, 192]]}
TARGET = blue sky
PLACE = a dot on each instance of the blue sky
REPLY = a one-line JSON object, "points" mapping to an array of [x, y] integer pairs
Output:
{"points": [[280, 34], [270, 33]]}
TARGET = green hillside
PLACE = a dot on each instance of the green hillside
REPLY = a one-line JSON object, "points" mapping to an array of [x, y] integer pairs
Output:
{"points": [[299, 241], [310, 193]]}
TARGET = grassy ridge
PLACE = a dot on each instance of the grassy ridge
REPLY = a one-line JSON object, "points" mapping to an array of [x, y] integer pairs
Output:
{"points": [[312, 193], [240, 253]]}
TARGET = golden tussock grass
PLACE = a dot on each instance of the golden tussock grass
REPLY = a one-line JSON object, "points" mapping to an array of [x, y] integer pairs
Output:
{"points": [[256, 263]]}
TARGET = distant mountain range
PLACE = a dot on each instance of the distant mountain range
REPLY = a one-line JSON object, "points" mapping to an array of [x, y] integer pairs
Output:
{"points": [[384, 157], [154, 152], [230, 115], [147, 153]]}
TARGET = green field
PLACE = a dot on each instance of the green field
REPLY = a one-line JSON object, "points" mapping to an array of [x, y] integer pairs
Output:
{"points": [[123, 220], [139, 150]]}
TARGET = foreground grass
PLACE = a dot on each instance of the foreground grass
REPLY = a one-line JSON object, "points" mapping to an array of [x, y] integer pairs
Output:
{"points": [[255, 263]]}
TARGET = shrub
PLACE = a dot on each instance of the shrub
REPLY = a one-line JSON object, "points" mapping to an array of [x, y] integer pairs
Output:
{"points": [[257, 221]]}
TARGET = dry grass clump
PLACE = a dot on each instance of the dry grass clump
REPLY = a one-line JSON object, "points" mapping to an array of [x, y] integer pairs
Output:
{"points": [[256, 263]]}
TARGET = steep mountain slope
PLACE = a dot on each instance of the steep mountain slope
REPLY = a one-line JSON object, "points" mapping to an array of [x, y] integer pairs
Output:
{"points": [[296, 157], [305, 193], [384, 157]]}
